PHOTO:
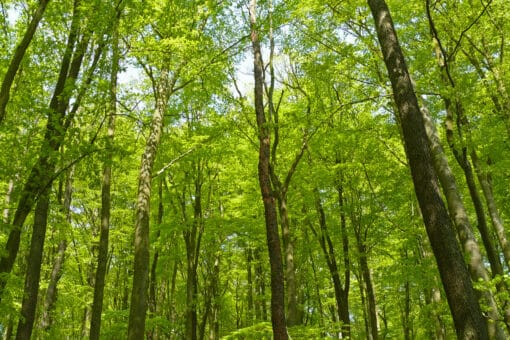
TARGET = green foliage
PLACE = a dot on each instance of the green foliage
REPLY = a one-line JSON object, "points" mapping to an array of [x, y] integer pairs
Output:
{"points": [[331, 93]]}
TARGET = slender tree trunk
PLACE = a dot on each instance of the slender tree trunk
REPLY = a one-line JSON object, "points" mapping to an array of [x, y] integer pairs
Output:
{"points": [[369, 287], [56, 272], [320, 307], [273, 239], [192, 238], [214, 324], [191, 299], [260, 287], [34, 261], [249, 278], [18, 57], [139, 301], [459, 215], [485, 182], [406, 320], [341, 293], [466, 313], [102, 256], [153, 334]]}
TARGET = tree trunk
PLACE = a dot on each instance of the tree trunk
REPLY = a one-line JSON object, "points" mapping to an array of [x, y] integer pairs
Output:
{"points": [[139, 301], [249, 278], [459, 215], [485, 182], [294, 316], [56, 272], [260, 287], [273, 239], [369, 288], [341, 293], [102, 256], [152, 334], [18, 57], [34, 261], [466, 313]]}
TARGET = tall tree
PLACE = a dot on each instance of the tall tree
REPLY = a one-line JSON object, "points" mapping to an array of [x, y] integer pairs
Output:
{"points": [[102, 257], [270, 215], [466, 313], [139, 300]]}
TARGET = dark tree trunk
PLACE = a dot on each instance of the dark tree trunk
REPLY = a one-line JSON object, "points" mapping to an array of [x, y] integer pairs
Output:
{"points": [[369, 288], [192, 238], [273, 239], [34, 261], [18, 57], [341, 293], [467, 316]]}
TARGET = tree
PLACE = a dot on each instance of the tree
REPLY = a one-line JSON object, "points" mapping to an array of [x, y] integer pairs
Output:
{"points": [[97, 306], [273, 239], [465, 310]]}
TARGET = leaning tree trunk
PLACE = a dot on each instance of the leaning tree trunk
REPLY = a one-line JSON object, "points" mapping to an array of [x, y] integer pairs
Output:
{"points": [[485, 182], [459, 215], [139, 301], [467, 316], [17, 58], [273, 239]]}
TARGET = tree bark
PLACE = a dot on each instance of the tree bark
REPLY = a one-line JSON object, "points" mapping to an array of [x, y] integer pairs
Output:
{"points": [[34, 261], [152, 334], [102, 256], [56, 272], [273, 239], [341, 292], [18, 57], [192, 238], [361, 232], [249, 295], [485, 182], [466, 313], [139, 301]]}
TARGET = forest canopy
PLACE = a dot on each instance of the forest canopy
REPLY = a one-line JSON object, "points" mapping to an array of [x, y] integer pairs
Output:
{"points": [[206, 169]]}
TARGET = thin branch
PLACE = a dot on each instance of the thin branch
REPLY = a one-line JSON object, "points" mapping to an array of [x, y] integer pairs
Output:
{"points": [[173, 161]]}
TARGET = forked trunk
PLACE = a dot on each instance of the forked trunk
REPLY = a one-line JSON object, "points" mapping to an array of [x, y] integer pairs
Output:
{"points": [[273, 239]]}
